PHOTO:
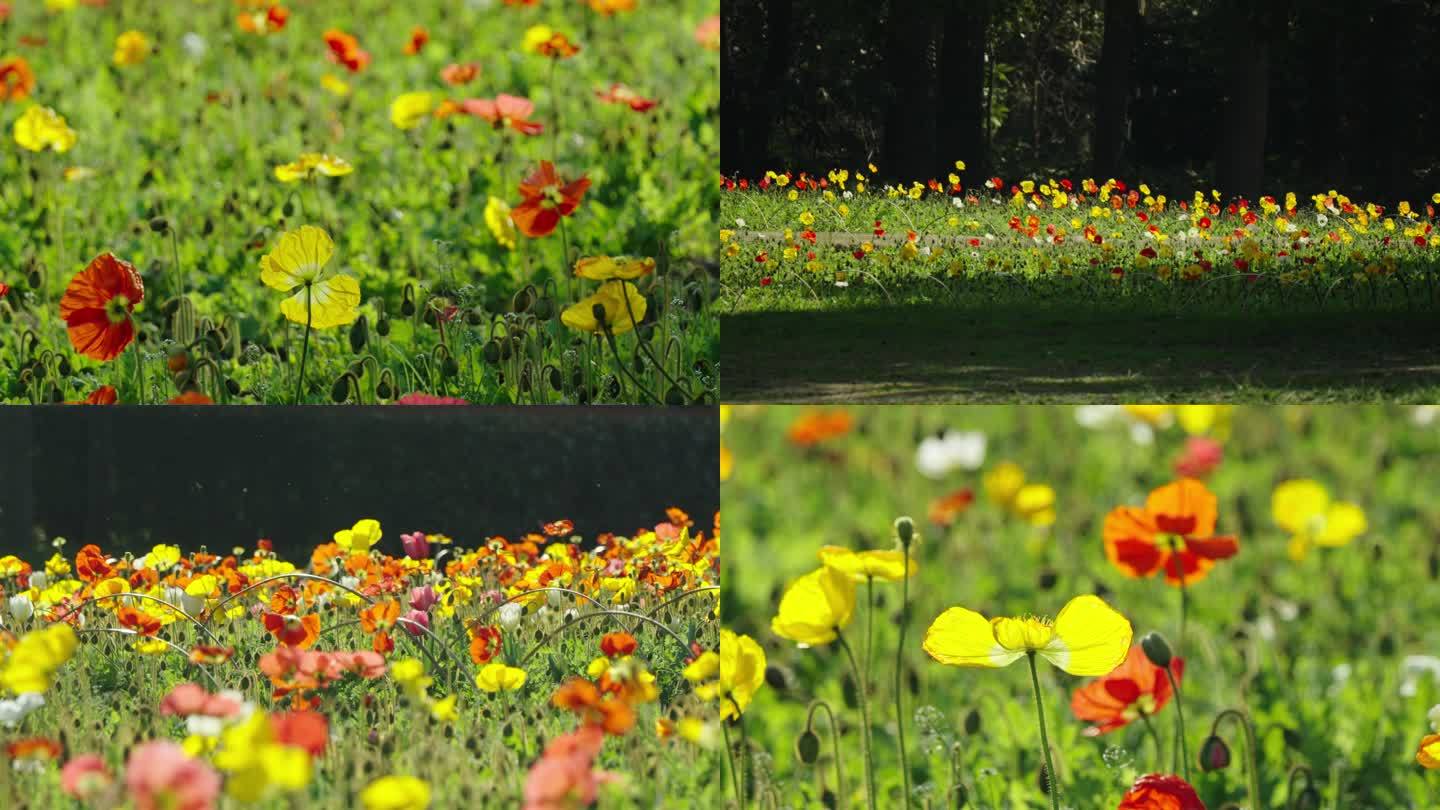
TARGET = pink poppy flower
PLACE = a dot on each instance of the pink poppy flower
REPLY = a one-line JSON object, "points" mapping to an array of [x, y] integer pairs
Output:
{"points": [[563, 777], [191, 698], [423, 599], [417, 545], [159, 776], [415, 617], [85, 777], [505, 111], [422, 398]]}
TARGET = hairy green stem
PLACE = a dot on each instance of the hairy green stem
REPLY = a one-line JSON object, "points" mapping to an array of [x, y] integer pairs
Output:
{"points": [[864, 720], [1050, 778]]}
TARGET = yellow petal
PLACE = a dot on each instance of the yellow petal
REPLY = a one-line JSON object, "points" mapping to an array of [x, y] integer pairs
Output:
{"points": [[299, 256], [333, 302], [964, 638], [815, 606], [1294, 504], [1091, 638], [1343, 523]]}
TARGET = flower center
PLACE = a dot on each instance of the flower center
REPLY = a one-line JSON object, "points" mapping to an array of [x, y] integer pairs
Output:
{"points": [[117, 309]]}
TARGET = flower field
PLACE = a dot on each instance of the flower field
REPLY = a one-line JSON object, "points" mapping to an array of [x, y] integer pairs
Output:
{"points": [[792, 239], [1164, 607], [369, 202], [386, 671]]}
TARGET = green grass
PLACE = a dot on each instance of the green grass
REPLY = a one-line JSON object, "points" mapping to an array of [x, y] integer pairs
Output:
{"points": [[1313, 650], [192, 136], [983, 305]]}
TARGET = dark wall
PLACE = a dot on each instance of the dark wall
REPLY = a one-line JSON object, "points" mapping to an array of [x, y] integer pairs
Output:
{"points": [[131, 477]]}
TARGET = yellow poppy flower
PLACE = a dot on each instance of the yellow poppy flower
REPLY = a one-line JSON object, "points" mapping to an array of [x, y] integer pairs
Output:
{"points": [[1005, 486], [310, 164], [1303, 508], [497, 218], [604, 268], [323, 298], [497, 677], [444, 709], [815, 607], [863, 565], [41, 128], [335, 85], [257, 765], [359, 538], [1429, 753], [34, 659], [742, 672], [396, 793], [409, 109], [131, 48], [1087, 637], [611, 297], [60, 5]]}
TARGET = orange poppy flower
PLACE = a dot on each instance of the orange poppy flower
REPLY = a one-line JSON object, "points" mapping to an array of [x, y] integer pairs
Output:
{"points": [[814, 427], [138, 620], [34, 748], [484, 643], [558, 46], [678, 516], [210, 654], [104, 395], [609, 7], [307, 730], [294, 631], [97, 305], [283, 600], [560, 528], [944, 510], [419, 37], [620, 94], [191, 398], [1174, 531], [456, 74], [547, 199], [380, 616], [584, 699], [270, 21], [1115, 700], [617, 644], [17, 81], [345, 50], [91, 565], [506, 111]]}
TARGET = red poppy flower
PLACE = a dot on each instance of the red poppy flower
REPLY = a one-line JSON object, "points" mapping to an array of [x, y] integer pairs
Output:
{"points": [[293, 631], [345, 50], [17, 81], [138, 620], [1115, 700], [419, 37], [96, 307], [1160, 792], [617, 644], [505, 111], [558, 46], [4, 289], [620, 94], [38, 748], [422, 398], [547, 199], [1174, 531], [91, 565], [191, 398], [814, 427]]}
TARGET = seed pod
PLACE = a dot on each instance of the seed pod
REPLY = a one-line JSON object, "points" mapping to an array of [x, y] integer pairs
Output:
{"points": [[382, 325], [905, 530], [807, 747], [523, 299], [159, 225], [359, 334], [407, 300], [675, 397], [475, 316], [491, 351], [545, 308], [385, 388], [340, 391]]}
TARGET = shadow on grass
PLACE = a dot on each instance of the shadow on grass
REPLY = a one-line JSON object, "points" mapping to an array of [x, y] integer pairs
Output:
{"points": [[1010, 354]]}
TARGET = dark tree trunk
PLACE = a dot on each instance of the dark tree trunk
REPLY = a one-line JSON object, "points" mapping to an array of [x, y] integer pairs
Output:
{"points": [[1240, 164], [910, 34], [1122, 23], [960, 100]]}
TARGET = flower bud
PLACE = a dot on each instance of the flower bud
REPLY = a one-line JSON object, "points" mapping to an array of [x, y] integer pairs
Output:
{"points": [[905, 530], [1157, 649], [1214, 754], [807, 747]]}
